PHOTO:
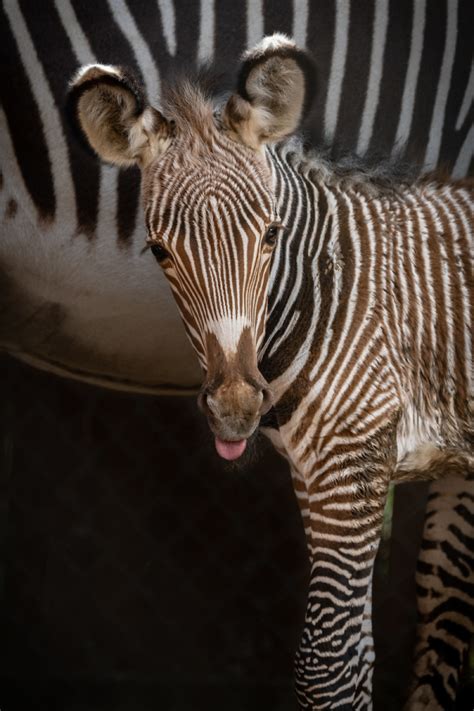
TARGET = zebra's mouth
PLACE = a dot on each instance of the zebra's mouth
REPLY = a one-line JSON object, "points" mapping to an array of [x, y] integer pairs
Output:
{"points": [[230, 450]]}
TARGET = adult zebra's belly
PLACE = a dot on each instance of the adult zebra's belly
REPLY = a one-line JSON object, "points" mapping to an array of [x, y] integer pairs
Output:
{"points": [[91, 311]]}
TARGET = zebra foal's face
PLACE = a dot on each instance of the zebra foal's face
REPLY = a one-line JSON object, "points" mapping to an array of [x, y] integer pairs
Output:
{"points": [[212, 227], [209, 208]]}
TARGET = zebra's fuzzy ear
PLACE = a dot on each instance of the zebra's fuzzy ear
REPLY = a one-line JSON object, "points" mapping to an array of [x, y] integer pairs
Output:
{"points": [[275, 88], [110, 111]]}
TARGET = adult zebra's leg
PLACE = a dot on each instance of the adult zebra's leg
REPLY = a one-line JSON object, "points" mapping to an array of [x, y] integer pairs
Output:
{"points": [[445, 589], [346, 511]]}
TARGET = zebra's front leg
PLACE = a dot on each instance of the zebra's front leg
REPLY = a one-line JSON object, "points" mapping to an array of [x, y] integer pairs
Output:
{"points": [[366, 657], [343, 519]]}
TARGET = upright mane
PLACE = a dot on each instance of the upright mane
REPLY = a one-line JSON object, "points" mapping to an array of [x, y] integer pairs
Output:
{"points": [[378, 173], [192, 102]]}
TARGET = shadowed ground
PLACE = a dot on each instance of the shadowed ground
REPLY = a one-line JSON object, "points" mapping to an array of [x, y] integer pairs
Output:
{"points": [[139, 573]]}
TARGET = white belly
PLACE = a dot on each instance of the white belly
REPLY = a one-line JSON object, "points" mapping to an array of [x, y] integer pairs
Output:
{"points": [[90, 310]]}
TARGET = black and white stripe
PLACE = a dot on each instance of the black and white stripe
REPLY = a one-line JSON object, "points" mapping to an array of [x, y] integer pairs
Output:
{"points": [[389, 73], [445, 589]]}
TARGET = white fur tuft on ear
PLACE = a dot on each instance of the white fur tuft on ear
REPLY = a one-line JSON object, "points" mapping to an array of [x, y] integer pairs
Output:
{"points": [[89, 68], [270, 43]]}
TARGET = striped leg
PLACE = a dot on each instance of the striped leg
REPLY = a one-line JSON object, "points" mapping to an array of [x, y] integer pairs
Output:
{"points": [[333, 663], [365, 652], [366, 657], [445, 587]]}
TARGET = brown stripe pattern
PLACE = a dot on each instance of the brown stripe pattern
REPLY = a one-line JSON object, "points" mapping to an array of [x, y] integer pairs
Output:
{"points": [[378, 382], [208, 202]]}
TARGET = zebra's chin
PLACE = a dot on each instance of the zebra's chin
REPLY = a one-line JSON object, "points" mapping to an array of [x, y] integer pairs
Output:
{"points": [[251, 452], [232, 433], [230, 450]]}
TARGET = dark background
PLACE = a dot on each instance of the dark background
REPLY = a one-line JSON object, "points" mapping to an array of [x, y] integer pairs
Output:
{"points": [[140, 572]]}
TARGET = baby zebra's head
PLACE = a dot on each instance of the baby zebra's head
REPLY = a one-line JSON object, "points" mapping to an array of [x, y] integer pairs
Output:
{"points": [[209, 207]]}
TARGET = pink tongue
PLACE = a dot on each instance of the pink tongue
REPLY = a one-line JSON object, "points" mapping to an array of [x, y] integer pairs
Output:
{"points": [[230, 450]]}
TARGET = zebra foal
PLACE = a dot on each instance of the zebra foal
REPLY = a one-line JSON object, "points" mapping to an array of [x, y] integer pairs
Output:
{"points": [[326, 302]]}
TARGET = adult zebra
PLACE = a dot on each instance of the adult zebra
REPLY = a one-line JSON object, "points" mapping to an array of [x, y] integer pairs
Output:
{"points": [[410, 82], [50, 188], [367, 343]]}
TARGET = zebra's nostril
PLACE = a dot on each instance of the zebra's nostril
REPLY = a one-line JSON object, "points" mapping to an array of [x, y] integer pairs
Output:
{"points": [[202, 402], [213, 406], [267, 401], [210, 405]]}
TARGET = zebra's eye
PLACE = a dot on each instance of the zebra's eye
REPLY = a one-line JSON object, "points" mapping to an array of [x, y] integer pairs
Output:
{"points": [[271, 235], [159, 252]]}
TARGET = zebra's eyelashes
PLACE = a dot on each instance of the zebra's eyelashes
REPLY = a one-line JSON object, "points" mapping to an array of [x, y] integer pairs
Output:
{"points": [[272, 234], [159, 252]]}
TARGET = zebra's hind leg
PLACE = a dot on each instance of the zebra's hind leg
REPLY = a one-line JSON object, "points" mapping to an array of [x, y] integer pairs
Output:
{"points": [[445, 589]]}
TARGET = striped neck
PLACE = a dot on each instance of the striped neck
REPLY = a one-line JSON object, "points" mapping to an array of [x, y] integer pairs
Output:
{"points": [[331, 264]]}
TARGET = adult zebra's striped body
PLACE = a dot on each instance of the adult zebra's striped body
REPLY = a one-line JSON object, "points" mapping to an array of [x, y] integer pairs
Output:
{"points": [[445, 580], [388, 72], [367, 347]]}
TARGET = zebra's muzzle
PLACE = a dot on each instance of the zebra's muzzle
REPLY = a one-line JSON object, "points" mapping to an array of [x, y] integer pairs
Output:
{"points": [[233, 411], [235, 394]]}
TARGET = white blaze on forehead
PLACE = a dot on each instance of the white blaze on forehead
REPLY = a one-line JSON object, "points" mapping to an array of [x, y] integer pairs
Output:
{"points": [[228, 331]]}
